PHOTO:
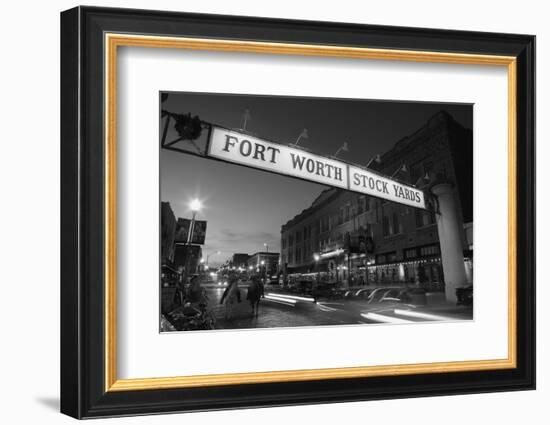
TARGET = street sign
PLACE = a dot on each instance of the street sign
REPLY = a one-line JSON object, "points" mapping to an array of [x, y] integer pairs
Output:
{"points": [[239, 148], [182, 231]]}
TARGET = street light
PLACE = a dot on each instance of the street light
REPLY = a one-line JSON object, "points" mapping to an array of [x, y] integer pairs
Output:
{"points": [[264, 268], [195, 205], [266, 247], [212, 253], [317, 257]]}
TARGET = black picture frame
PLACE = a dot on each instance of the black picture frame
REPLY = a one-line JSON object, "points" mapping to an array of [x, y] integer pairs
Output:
{"points": [[83, 393]]}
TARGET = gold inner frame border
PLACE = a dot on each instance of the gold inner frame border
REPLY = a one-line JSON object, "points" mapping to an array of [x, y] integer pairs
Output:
{"points": [[111, 43]]}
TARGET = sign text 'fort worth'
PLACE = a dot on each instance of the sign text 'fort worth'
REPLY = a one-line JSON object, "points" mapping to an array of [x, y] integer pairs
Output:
{"points": [[239, 148]]}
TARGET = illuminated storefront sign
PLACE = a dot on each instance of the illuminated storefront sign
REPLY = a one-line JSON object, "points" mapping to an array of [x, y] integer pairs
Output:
{"points": [[239, 148]]}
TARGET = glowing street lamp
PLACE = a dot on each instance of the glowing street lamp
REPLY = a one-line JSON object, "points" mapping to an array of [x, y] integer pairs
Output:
{"points": [[195, 206], [317, 257]]}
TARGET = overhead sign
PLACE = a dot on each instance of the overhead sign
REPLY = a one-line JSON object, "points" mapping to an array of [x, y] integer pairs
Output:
{"points": [[367, 182], [239, 148], [247, 150]]}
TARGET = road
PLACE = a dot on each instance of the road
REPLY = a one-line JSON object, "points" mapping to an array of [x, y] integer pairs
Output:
{"points": [[285, 310]]}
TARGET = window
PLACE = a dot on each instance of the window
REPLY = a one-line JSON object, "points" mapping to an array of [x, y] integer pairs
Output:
{"points": [[283, 243], [410, 253], [391, 224], [429, 250], [419, 217], [347, 209], [360, 205], [369, 230], [324, 224], [340, 218], [396, 227], [290, 240], [386, 226], [298, 257], [424, 218]]}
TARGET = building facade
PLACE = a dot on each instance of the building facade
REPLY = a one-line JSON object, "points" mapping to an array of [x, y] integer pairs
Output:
{"points": [[264, 262], [353, 239], [168, 225], [239, 260]]}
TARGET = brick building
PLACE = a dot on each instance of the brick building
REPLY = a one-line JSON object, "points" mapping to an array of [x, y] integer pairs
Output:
{"points": [[239, 260], [353, 239], [267, 262]]}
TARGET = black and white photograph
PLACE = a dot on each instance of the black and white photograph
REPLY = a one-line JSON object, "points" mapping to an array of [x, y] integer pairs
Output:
{"points": [[301, 211]]}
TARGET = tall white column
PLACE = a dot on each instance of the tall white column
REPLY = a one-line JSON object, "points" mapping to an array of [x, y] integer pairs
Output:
{"points": [[450, 228]]}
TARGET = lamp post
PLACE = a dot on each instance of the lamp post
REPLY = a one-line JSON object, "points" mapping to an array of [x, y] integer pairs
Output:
{"points": [[266, 247], [212, 253], [317, 257], [195, 206]]}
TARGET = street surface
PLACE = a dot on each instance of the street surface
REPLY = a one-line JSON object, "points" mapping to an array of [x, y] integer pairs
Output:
{"points": [[279, 309]]}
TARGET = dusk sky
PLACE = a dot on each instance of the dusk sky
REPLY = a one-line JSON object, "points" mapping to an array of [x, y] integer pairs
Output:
{"points": [[245, 208]]}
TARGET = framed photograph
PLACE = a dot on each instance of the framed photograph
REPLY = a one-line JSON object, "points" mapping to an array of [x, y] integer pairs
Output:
{"points": [[261, 212]]}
